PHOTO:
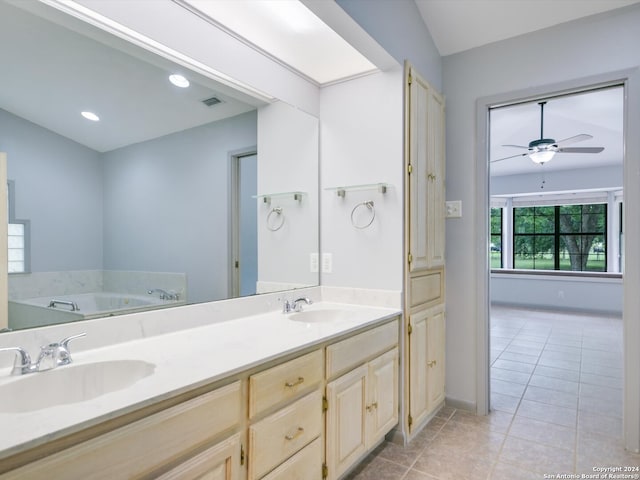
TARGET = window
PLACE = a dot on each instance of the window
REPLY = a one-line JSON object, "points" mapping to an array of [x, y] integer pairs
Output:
{"points": [[495, 248], [18, 240], [564, 237]]}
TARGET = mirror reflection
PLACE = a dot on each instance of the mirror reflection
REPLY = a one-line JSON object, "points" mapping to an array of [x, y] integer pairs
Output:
{"points": [[172, 195]]}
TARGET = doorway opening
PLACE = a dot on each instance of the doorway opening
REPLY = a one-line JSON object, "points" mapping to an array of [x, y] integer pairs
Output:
{"points": [[530, 256], [244, 221]]}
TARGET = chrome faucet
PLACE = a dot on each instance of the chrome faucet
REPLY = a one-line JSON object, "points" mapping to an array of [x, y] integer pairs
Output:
{"points": [[296, 305], [164, 295], [51, 356], [289, 306]]}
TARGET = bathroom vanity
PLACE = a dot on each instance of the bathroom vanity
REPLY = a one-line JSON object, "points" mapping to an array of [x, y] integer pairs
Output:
{"points": [[269, 396]]}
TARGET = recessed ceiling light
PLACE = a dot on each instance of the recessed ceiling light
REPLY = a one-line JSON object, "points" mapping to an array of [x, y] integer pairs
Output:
{"points": [[179, 80], [90, 116]]}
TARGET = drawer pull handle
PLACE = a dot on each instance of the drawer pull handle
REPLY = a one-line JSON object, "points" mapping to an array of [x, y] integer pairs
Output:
{"points": [[293, 384], [299, 432], [432, 363]]}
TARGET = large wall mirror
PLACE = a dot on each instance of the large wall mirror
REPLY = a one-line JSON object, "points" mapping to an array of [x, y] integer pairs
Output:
{"points": [[176, 195]]}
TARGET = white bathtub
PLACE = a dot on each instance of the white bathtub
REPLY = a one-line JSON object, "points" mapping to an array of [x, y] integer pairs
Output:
{"points": [[29, 312]]}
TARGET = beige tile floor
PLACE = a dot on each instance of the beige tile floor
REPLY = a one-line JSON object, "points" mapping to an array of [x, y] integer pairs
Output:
{"points": [[556, 399]]}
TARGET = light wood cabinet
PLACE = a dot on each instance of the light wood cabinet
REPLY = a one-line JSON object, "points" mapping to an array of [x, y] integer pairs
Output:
{"points": [[274, 424], [426, 363], [426, 172], [289, 395], [220, 462], [284, 382], [277, 437], [304, 465], [148, 445], [362, 408], [425, 246]]}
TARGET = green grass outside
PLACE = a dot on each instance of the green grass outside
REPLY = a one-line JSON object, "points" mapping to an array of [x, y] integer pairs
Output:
{"points": [[596, 263]]}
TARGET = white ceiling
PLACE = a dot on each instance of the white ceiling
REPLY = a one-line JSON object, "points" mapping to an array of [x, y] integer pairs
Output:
{"points": [[290, 32], [598, 113], [57, 71], [458, 25]]}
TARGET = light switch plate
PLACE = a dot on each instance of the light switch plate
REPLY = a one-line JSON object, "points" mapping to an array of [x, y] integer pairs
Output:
{"points": [[327, 262], [314, 263], [453, 209]]}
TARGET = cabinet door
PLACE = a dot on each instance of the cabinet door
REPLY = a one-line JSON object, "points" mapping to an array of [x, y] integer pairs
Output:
{"points": [[418, 176], [435, 354], [346, 440], [382, 407], [418, 347], [220, 462], [435, 179], [426, 158]]}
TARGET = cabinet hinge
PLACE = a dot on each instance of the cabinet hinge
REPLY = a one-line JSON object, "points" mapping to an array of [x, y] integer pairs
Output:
{"points": [[410, 79], [237, 264], [325, 470], [241, 455], [410, 420], [325, 404], [410, 329], [409, 258], [409, 169]]}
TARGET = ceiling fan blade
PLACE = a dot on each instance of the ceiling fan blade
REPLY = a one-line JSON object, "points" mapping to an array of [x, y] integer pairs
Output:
{"points": [[577, 138], [507, 158], [517, 146], [581, 150]]}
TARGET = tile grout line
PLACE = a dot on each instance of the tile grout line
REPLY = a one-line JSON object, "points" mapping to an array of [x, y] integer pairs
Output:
{"points": [[513, 417], [575, 446], [427, 445]]}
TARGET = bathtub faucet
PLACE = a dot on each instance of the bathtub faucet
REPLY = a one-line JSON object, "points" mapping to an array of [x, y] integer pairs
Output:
{"points": [[164, 295], [73, 305]]}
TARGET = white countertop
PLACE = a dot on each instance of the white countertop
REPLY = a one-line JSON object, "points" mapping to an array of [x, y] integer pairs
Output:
{"points": [[183, 360]]}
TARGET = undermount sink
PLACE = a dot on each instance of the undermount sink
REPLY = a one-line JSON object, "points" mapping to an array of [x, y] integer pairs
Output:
{"points": [[70, 384], [321, 316]]}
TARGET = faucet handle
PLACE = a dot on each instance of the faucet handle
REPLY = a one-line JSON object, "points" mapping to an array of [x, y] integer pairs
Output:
{"points": [[64, 343], [286, 304], [64, 355], [22, 362]]}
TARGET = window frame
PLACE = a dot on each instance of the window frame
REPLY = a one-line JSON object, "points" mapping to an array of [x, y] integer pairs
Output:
{"points": [[26, 224]]}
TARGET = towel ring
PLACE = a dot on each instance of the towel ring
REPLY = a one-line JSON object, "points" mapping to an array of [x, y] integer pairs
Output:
{"points": [[369, 205], [273, 224]]}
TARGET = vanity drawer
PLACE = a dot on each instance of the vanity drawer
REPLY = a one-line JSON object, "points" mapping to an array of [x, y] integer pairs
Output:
{"points": [[284, 382], [137, 449], [343, 356], [304, 465], [278, 436]]}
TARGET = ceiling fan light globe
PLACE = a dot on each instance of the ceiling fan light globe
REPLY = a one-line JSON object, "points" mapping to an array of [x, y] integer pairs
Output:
{"points": [[541, 156]]}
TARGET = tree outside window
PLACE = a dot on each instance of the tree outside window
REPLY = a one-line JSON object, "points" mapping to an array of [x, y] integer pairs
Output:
{"points": [[565, 237], [495, 249]]}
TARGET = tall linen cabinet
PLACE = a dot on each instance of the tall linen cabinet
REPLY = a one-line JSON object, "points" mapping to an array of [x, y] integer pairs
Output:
{"points": [[424, 307]]}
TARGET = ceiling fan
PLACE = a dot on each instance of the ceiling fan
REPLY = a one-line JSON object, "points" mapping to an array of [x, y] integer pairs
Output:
{"points": [[544, 149]]}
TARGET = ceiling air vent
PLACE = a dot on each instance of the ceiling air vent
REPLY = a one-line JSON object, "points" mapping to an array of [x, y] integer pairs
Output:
{"points": [[210, 102]]}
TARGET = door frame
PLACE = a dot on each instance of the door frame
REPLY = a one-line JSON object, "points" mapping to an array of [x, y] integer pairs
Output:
{"points": [[234, 217], [630, 79]]}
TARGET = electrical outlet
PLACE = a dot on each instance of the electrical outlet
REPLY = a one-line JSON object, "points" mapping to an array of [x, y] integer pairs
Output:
{"points": [[327, 262], [314, 262], [453, 209]]}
